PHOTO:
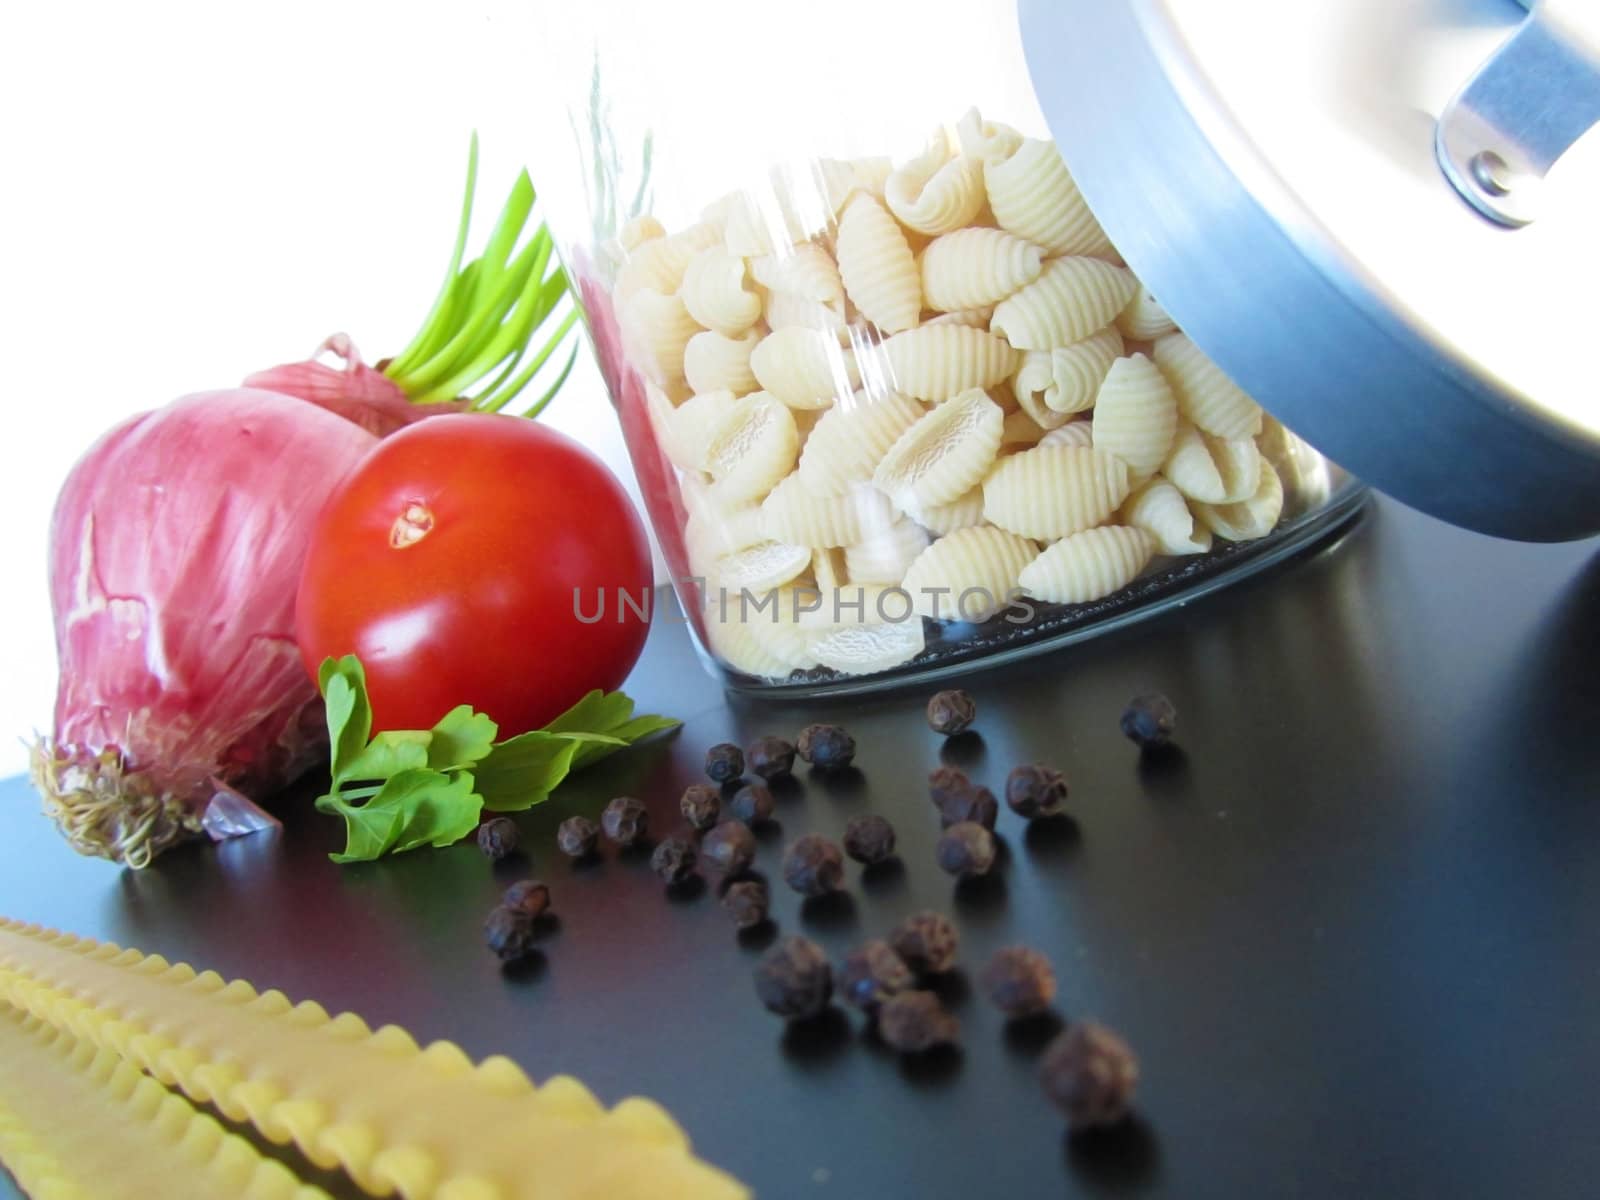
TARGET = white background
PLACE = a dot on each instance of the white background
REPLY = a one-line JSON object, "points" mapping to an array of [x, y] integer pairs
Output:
{"points": [[194, 191]]}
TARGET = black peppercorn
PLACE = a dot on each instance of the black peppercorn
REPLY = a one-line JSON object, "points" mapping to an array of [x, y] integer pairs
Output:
{"points": [[959, 799], [927, 942], [770, 757], [794, 979], [577, 836], [1149, 720], [752, 804], [869, 839], [724, 762], [625, 821], [729, 848], [914, 1022], [827, 747], [746, 902], [952, 711], [813, 865], [872, 973], [527, 895], [966, 849], [1089, 1073], [498, 837], [700, 805], [508, 932], [1019, 981], [1035, 791], [674, 859]]}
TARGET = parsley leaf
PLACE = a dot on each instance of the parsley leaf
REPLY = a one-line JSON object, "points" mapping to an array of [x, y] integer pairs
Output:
{"points": [[403, 789]]}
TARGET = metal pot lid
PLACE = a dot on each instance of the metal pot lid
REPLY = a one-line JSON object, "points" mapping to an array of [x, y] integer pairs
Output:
{"points": [[1381, 217]]}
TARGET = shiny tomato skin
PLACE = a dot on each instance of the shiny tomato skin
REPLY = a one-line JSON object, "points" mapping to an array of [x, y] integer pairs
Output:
{"points": [[447, 562]]}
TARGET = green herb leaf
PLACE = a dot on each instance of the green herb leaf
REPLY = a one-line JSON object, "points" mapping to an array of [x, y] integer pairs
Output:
{"points": [[414, 808], [622, 735], [597, 712], [461, 738], [388, 754], [344, 694], [522, 771]]}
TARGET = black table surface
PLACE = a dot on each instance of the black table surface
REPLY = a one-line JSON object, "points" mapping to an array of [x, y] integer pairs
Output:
{"points": [[1354, 933]]}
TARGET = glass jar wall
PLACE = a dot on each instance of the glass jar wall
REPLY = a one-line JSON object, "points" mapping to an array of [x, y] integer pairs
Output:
{"points": [[895, 402]]}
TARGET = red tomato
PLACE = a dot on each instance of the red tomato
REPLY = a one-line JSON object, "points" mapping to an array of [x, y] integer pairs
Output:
{"points": [[449, 562]]}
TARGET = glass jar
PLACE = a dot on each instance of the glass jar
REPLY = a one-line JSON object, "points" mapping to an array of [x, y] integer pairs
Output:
{"points": [[895, 401]]}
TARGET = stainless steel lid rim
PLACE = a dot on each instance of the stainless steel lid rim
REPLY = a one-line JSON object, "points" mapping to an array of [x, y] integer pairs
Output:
{"points": [[1200, 216]]}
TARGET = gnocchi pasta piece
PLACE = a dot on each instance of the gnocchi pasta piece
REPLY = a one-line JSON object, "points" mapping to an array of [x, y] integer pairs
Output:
{"points": [[1034, 196], [805, 368], [885, 556], [690, 427], [791, 513], [761, 567], [1247, 520], [710, 534], [1068, 378], [941, 361], [715, 292], [1072, 299], [942, 519], [944, 454], [1021, 431], [1206, 396], [852, 604], [1160, 510], [969, 575], [972, 318], [752, 448], [659, 263], [1073, 433], [776, 628], [638, 230], [785, 310], [936, 192], [741, 645], [875, 261], [989, 141], [972, 268], [655, 332], [808, 272], [713, 362], [827, 569], [1144, 319], [1212, 470], [1135, 415], [1051, 492], [851, 439], [871, 174], [1089, 565], [866, 649]]}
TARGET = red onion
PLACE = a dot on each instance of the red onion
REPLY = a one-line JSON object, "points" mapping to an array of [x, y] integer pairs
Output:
{"points": [[354, 390], [176, 549]]}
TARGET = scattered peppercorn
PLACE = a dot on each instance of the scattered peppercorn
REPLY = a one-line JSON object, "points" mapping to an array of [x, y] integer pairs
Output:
{"points": [[746, 902], [927, 941], [1019, 981], [914, 1022], [673, 859], [794, 979], [577, 837], [625, 821], [1149, 720], [498, 837], [700, 805], [1089, 1073], [813, 865], [966, 850], [872, 973], [752, 804], [1035, 791], [827, 747], [724, 762], [770, 757], [959, 799], [952, 712], [508, 932], [527, 895], [869, 839], [729, 848]]}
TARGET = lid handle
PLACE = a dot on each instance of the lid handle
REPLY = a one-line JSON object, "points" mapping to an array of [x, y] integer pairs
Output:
{"points": [[1538, 94]]}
